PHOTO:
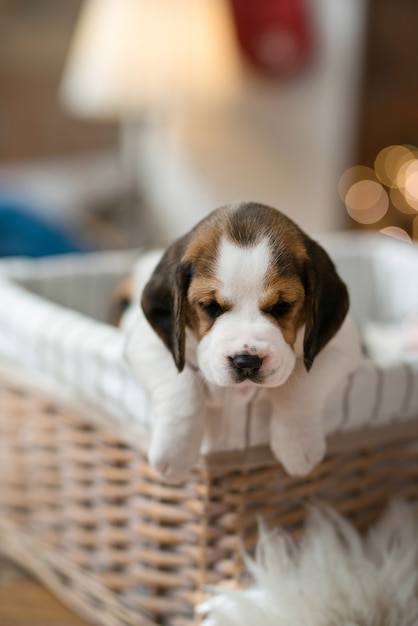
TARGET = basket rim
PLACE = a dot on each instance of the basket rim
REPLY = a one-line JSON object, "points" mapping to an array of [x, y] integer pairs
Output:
{"points": [[138, 438]]}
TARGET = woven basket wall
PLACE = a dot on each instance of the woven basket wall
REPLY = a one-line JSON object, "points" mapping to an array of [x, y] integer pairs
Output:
{"points": [[82, 509]]}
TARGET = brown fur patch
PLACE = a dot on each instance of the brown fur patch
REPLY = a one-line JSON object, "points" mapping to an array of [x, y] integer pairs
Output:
{"points": [[288, 289], [249, 223], [204, 290], [203, 243]]}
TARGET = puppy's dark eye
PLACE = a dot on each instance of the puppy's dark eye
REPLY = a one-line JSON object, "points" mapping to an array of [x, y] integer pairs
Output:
{"points": [[280, 309], [212, 309]]}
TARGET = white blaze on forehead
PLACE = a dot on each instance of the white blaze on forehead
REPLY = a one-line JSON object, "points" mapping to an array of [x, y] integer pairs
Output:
{"points": [[242, 270]]}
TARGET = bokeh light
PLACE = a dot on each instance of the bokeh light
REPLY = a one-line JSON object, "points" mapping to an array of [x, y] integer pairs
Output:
{"points": [[396, 233], [367, 201], [411, 184], [369, 193], [399, 201], [389, 161], [354, 175]]}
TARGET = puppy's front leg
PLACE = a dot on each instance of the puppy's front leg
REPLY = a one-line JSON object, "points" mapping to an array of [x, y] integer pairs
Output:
{"points": [[296, 427], [177, 401], [177, 432], [297, 437]]}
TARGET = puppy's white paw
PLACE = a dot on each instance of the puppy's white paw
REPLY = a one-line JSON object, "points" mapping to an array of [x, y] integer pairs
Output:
{"points": [[172, 458], [299, 452], [173, 469]]}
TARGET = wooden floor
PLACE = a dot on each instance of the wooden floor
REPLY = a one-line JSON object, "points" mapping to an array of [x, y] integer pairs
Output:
{"points": [[24, 602]]}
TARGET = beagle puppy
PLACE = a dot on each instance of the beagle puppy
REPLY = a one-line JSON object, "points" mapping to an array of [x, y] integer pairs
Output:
{"points": [[245, 302]]}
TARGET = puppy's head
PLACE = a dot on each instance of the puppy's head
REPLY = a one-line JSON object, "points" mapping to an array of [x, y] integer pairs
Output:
{"points": [[247, 283]]}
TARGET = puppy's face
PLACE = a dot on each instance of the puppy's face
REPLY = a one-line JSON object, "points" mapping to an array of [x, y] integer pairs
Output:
{"points": [[246, 315], [248, 283]]}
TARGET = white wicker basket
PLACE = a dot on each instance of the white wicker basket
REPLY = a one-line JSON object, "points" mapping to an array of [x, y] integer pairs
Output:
{"points": [[79, 504]]}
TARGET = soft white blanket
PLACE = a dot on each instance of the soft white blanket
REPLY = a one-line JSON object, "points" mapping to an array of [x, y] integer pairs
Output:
{"points": [[334, 577]]}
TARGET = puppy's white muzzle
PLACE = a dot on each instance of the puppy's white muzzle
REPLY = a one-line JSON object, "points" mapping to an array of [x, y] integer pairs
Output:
{"points": [[233, 353]]}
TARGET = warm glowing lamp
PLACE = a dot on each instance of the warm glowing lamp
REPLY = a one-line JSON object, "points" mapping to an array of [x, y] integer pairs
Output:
{"points": [[131, 57], [149, 64]]}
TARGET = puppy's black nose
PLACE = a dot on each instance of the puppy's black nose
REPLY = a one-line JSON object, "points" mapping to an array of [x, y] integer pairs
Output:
{"points": [[247, 364]]}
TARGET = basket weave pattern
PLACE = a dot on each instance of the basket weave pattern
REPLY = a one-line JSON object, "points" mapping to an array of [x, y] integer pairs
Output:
{"points": [[86, 513]]}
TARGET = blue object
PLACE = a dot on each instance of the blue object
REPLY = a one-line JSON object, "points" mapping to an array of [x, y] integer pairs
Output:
{"points": [[25, 233]]}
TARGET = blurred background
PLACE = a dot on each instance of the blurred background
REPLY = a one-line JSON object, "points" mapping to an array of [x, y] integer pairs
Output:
{"points": [[123, 122]]}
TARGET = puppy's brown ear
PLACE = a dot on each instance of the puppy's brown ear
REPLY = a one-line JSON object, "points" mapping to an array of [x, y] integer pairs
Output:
{"points": [[327, 301], [164, 300]]}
